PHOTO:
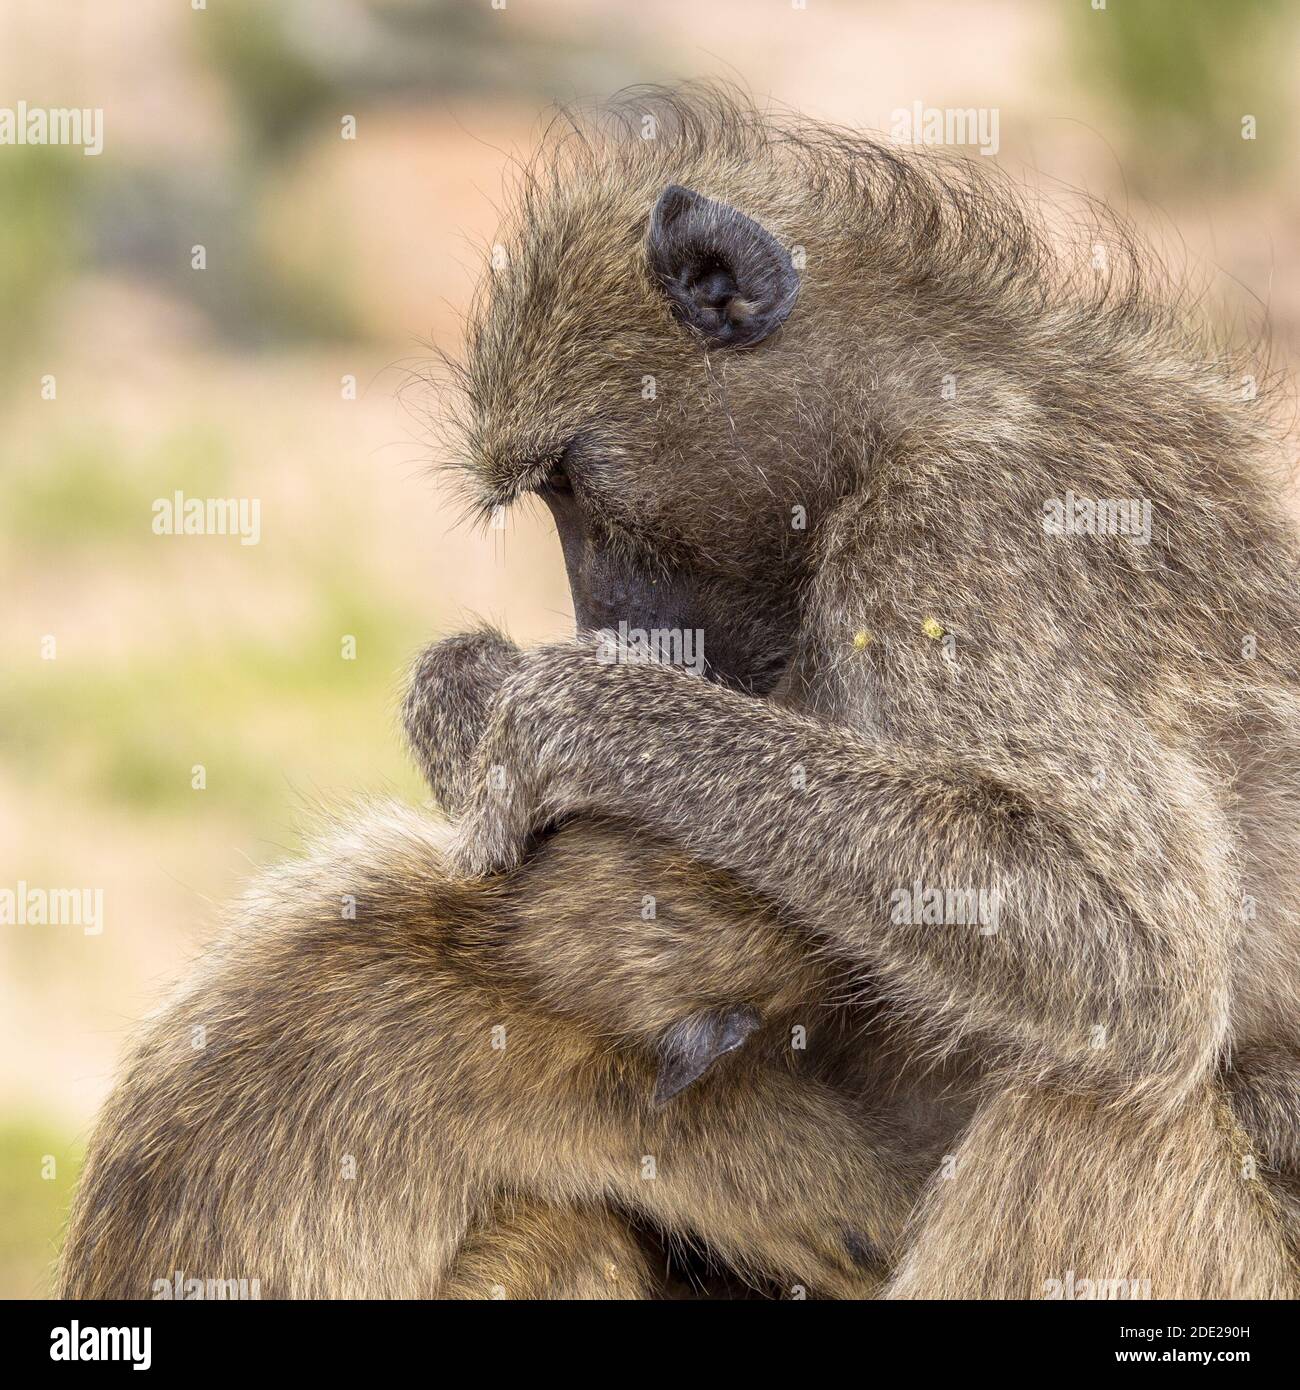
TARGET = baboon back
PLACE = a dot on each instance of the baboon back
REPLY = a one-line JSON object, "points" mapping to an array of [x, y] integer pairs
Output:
{"points": [[373, 1055]]}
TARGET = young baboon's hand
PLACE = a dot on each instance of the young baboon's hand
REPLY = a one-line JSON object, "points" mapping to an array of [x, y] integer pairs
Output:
{"points": [[449, 700]]}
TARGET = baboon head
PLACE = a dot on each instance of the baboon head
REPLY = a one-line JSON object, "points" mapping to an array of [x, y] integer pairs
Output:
{"points": [[706, 325], [640, 359]]}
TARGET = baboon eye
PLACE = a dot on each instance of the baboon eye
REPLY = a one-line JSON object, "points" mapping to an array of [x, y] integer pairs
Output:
{"points": [[556, 478]]}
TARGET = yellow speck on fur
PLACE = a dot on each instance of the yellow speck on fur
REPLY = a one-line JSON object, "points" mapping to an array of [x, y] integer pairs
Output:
{"points": [[933, 629], [861, 640]]}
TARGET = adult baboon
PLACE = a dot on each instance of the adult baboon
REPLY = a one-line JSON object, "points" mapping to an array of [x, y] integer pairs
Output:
{"points": [[996, 541]]}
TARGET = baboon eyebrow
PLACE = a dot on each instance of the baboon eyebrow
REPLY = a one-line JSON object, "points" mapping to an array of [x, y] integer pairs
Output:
{"points": [[503, 484], [530, 475]]}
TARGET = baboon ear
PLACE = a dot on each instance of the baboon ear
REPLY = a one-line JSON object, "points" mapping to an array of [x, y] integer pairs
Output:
{"points": [[726, 277], [689, 1048]]}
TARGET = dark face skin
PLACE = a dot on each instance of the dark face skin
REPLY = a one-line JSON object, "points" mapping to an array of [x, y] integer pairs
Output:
{"points": [[666, 524], [745, 642]]}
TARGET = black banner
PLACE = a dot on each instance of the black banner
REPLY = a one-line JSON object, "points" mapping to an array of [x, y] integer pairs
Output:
{"points": [[341, 1338]]}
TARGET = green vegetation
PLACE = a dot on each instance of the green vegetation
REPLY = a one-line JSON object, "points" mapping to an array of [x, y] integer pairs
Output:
{"points": [[1180, 76], [34, 1201], [243, 699], [41, 193], [86, 492], [243, 708]]}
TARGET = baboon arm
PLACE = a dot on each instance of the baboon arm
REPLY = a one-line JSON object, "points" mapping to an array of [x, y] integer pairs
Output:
{"points": [[1109, 953], [1050, 1195]]}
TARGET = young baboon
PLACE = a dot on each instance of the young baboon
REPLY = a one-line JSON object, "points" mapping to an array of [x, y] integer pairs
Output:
{"points": [[996, 543], [382, 1082]]}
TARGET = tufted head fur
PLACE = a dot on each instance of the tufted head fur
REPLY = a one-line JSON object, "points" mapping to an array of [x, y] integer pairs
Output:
{"points": [[708, 323]]}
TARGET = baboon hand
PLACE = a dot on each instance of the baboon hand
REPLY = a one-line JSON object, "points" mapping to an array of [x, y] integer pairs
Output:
{"points": [[548, 753], [449, 700]]}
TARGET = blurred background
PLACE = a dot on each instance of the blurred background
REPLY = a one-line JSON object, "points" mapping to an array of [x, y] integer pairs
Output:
{"points": [[330, 260]]}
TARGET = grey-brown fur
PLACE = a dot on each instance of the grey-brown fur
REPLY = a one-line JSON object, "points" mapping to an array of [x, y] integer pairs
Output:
{"points": [[1134, 1028], [332, 1046], [1106, 733]]}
